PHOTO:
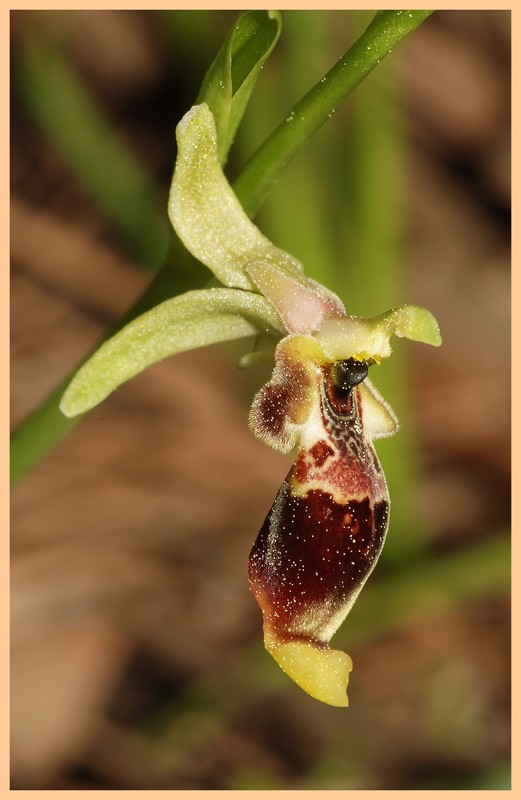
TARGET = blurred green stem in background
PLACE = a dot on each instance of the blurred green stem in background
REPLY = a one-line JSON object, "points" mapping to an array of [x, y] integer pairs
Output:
{"points": [[386, 30], [70, 117], [45, 426], [374, 275]]}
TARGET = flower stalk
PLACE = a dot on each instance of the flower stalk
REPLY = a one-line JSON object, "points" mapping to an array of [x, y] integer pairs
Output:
{"points": [[386, 30]]}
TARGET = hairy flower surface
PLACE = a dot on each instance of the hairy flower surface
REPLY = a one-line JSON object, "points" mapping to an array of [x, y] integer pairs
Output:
{"points": [[328, 523]]}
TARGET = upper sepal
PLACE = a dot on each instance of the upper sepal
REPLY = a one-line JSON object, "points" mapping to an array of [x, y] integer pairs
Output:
{"points": [[206, 213]]}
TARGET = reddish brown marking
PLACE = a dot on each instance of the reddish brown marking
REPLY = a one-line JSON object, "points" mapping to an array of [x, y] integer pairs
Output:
{"points": [[280, 399], [313, 552], [354, 473], [341, 400], [320, 452], [301, 467]]}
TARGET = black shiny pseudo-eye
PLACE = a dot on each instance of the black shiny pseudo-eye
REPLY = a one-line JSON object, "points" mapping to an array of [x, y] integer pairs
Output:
{"points": [[348, 373], [340, 379]]}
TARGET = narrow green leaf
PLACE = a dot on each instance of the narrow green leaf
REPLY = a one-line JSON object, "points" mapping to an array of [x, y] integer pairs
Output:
{"points": [[230, 79], [37, 434], [385, 31], [194, 319], [66, 111]]}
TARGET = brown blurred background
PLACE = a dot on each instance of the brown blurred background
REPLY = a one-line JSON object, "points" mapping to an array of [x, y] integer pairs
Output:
{"points": [[137, 658]]}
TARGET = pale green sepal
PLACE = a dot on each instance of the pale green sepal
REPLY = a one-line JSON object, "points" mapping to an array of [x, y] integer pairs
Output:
{"points": [[193, 319], [206, 213]]}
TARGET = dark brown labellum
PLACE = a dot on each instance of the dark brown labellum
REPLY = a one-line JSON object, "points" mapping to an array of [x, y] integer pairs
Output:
{"points": [[327, 525]]}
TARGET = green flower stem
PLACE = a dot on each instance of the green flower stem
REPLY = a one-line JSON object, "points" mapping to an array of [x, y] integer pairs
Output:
{"points": [[386, 30], [43, 429], [46, 426]]}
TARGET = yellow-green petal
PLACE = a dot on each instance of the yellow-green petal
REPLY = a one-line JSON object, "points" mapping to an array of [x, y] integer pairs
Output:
{"points": [[412, 322], [368, 338]]}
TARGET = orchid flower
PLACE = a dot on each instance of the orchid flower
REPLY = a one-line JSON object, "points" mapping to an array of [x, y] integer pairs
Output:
{"points": [[326, 528]]}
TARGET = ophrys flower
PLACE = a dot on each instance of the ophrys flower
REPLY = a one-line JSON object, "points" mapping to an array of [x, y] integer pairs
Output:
{"points": [[328, 522]]}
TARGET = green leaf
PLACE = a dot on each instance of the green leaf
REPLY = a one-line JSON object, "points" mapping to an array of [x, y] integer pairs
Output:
{"points": [[230, 79], [385, 31], [194, 319]]}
